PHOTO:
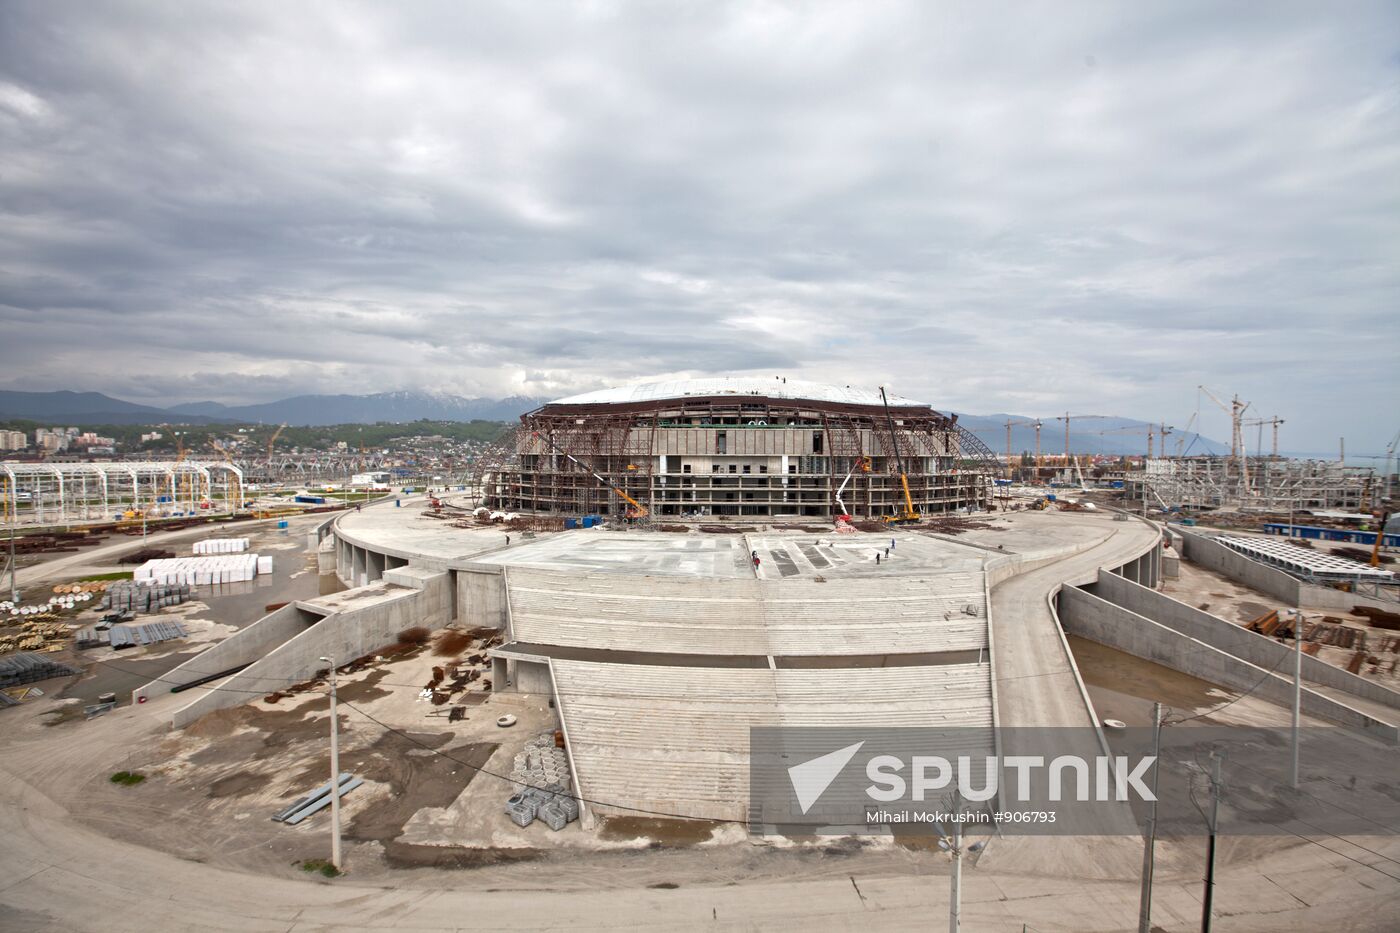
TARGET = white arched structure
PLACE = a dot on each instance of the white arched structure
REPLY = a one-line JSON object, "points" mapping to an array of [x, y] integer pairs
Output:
{"points": [[68, 493]]}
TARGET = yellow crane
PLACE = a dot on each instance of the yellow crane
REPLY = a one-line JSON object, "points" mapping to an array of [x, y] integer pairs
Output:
{"points": [[908, 515], [272, 440], [635, 509]]}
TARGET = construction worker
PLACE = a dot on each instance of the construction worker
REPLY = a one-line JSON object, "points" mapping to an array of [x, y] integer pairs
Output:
{"points": [[877, 558]]}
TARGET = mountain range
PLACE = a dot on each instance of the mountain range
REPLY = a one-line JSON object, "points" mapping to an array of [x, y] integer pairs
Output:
{"points": [[1097, 434], [91, 408]]}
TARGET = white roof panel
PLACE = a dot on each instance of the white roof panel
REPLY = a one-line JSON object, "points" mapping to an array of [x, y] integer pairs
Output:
{"points": [[734, 385]]}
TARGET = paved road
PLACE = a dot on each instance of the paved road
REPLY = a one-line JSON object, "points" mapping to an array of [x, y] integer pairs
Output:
{"points": [[1036, 685], [58, 875], [58, 567]]}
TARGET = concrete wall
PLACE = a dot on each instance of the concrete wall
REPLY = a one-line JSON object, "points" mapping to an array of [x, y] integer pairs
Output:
{"points": [[245, 646], [1311, 596], [346, 635], [1099, 620], [1212, 555], [481, 597], [531, 677], [1232, 639]]}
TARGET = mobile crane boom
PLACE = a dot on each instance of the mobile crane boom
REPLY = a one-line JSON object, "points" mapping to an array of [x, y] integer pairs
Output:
{"points": [[637, 510], [909, 515]]}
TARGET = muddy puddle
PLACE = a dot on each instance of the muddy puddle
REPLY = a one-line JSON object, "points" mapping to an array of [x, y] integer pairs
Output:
{"points": [[663, 833], [1124, 687]]}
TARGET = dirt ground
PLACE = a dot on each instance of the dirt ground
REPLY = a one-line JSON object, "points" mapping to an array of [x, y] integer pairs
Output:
{"points": [[1223, 597]]}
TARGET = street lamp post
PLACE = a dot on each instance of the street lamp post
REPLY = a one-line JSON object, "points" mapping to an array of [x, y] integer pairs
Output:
{"points": [[335, 773]]}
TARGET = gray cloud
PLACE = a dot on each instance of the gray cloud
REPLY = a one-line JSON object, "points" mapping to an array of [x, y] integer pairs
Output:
{"points": [[1039, 209]]}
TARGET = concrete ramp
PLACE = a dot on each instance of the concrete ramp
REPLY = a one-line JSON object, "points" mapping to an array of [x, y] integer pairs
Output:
{"points": [[1089, 616], [285, 647]]}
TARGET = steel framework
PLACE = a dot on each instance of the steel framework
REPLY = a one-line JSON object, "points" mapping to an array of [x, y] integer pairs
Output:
{"points": [[728, 455], [67, 493], [1274, 484]]}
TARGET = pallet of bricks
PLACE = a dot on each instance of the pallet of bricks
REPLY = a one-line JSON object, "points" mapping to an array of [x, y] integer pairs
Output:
{"points": [[541, 778], [221, 546]]}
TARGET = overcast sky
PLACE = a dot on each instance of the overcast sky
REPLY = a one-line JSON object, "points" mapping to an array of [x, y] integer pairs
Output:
{"points": [[991, 207]]}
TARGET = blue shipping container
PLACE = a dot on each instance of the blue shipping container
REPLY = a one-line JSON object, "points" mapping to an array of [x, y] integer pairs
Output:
{"points": [[570, 523]]}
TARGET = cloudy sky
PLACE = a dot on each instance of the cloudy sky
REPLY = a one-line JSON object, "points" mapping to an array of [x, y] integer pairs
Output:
{"points": [[993, 207]]}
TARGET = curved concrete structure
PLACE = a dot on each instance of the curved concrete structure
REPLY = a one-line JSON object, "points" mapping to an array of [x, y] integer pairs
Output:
{"points": [[58, 871]]}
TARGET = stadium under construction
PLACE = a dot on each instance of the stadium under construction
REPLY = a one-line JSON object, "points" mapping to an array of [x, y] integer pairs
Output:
{"points": [[737, 447]]}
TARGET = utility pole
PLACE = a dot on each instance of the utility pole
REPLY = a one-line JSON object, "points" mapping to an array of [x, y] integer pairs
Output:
{"points": [[335, 774], [1208, 897], [14, 586], [954, 847], [1297, 686], [1150, 835], [955, 895]]}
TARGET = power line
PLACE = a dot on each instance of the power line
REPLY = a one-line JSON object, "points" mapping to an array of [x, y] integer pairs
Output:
{"points": [[1267, 674]]}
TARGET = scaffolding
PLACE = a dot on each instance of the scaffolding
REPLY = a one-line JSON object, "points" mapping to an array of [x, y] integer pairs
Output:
{"points": [[1263, 483], [74, 493], [744, 455]]}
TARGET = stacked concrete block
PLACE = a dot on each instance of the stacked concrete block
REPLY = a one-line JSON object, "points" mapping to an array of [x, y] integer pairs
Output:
{"points": [[201, 571], [130, 596], [221, 546]]}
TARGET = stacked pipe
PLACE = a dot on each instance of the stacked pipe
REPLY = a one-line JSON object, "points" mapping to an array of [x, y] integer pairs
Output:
{"points": [[221, 546]]}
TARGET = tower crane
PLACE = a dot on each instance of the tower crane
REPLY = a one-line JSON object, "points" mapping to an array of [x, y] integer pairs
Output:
{"points": [[1066, 418], [1152, 431], [1259, 423], [1235, 410], [1012, 424]]}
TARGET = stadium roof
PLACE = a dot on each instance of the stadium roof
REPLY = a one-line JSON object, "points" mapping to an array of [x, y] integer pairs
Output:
{"points": [[737, 386]]}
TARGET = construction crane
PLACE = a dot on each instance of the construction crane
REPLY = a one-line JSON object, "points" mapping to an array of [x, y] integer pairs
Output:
{"points": [[1012, 424], [1181, 435], [908, 515], [860, 463], [1066, 419], [272, 440], [1259, 423], [1389, 459], [1380, 536], [1152, 432], [1235, 410], [635, 511]]}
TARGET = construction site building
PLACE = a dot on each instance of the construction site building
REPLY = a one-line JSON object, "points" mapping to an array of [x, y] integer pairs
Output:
{"points": [[737, 447], [1265, 483]]}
